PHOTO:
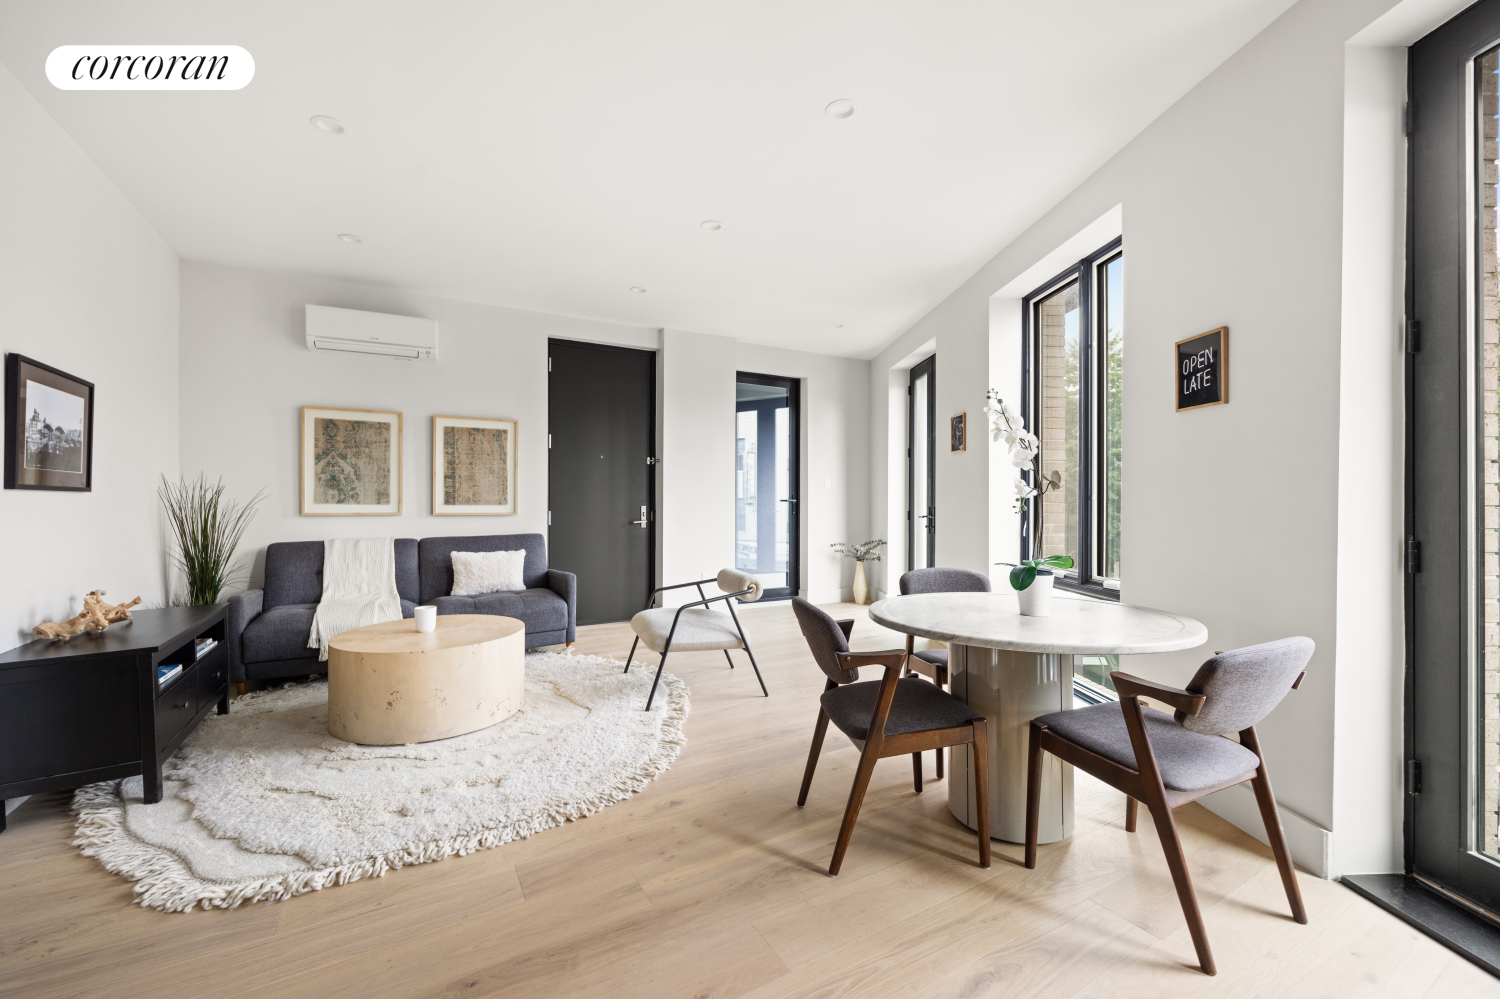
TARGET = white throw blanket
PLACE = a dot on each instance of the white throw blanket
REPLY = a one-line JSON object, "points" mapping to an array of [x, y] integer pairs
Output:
{"points": [[359, 588]]}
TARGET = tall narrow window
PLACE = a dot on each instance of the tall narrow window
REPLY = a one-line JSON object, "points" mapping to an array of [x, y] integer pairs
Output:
{"points": [[921, 512], [1073, 360], [765, 481]]}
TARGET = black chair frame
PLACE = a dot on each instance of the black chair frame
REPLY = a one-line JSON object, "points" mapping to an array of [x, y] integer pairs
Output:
{"points": [[728, 598]]}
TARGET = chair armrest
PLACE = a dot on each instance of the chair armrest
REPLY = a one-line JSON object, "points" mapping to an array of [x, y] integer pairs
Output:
{"points": [[651, 600], [243, 608], [846, 626], [565, 585], [891, 659], [1133, 686]]}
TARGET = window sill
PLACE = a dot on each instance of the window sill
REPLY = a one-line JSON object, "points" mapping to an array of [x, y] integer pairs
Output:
{"points": [[1088, 590]]}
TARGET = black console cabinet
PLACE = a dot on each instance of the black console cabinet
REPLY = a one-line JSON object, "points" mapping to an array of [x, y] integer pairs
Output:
{"points": [[89, 709]]}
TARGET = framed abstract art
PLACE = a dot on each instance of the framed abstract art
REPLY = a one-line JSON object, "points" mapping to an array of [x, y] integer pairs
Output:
{"points": [[473, 466], [351, 462]]}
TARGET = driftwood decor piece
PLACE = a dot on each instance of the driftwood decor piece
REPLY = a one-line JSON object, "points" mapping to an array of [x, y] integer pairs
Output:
{"points": [[96, 617]]}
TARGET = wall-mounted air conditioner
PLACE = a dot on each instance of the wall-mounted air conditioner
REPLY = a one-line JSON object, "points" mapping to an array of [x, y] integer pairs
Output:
{"points": [[350, 331]]}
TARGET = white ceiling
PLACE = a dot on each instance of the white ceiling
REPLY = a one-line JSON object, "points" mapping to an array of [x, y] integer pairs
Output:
{"points": [[551, 155]]}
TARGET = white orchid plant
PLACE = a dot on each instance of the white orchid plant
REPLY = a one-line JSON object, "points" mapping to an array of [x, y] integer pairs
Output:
{"points": [[1006, 426]]}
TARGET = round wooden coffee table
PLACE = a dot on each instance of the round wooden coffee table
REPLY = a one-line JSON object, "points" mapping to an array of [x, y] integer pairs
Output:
{"points": [[389, 684]]}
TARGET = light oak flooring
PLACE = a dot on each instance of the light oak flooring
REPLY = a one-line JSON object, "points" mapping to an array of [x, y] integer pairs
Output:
{"points": [[712, 883]]}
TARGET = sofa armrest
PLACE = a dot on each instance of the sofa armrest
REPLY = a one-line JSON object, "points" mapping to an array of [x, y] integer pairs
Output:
{"points": [[243, 608], [565, 585]]}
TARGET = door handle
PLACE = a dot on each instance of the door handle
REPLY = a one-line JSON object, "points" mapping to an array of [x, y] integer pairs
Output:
{"points": [[643, 519]]}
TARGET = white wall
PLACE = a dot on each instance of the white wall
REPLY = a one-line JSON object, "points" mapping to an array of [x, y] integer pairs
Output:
{"points": [[835, 459], [697, 477], [1233, 213], [87, 286]]}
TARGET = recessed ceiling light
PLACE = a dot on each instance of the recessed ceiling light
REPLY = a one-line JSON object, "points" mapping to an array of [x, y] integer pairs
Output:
{"points": [[712, 226], [323, 123], [349, 237], [838, 326], [638, 290], [839, 109]]}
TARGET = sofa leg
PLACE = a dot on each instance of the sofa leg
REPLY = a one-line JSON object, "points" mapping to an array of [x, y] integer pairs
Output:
{"points": [[239, 690], [570, 649]]}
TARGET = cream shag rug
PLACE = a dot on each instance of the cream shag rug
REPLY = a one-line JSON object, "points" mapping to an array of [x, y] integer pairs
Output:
{"points": [[263, 804]]}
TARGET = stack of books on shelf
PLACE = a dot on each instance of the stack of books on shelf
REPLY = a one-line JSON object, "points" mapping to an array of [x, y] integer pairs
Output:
{"points": [[205, 646], [166, 674]]}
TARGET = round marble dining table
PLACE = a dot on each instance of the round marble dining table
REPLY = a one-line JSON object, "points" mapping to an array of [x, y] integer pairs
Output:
{"points": [[1012, 668]]}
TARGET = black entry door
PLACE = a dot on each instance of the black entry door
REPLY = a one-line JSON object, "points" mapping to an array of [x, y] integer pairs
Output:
{"points": [[1453, 441], [601, 428]]}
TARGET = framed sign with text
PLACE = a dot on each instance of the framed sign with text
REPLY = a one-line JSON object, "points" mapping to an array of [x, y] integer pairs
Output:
{"points": [[1203, 370]]}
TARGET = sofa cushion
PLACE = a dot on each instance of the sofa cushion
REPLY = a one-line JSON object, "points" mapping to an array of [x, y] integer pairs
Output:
{"points": [[280, 633], [435, 560], [538, 609], [294, 572]]}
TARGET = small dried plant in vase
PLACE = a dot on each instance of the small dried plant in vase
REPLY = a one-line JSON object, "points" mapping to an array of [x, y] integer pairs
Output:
{"points": [[867, 552]]}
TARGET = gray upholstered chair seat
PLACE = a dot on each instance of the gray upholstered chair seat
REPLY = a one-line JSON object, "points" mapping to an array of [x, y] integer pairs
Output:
{"points": [[280, 633], [540, 610], [698, 630], [918, 706], [1188, 761], [937, 657]]}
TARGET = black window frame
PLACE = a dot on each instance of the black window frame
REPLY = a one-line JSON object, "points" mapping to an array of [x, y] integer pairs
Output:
{"points": [[1092, 405], [793, 388], [927, 367]]}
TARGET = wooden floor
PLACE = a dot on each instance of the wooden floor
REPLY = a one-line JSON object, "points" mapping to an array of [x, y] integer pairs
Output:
{"points": [[713, 883]]}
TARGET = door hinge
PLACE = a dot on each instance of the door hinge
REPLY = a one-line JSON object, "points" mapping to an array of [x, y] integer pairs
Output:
{"points": [[549, 441], [549, 365], [1413, 555], [1408, 118], [653, 461], [549, 518], [1413, 336], [1413, 776]]}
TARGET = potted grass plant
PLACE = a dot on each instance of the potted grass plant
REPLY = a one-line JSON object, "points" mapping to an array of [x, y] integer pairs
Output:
{"points": [[206, 529], [1032, 580]]}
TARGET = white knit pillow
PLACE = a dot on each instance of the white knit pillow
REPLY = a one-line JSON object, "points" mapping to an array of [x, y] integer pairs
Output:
{"points": [[488, 572]]}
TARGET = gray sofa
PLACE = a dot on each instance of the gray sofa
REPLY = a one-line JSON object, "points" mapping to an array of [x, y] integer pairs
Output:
{"points": [[268, 628]]}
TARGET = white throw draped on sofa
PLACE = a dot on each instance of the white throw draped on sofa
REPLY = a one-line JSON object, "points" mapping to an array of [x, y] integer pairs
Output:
{"points": [[359, 588]]}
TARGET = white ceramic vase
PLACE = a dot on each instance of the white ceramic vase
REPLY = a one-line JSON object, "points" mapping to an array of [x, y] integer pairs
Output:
{"points": [[860, 589], [1036, 599]]}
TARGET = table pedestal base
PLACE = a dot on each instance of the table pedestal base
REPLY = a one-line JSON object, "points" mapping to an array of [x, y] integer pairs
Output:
{"points": [[1010, 689]]}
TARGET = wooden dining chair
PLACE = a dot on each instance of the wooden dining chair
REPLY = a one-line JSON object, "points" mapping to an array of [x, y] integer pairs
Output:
{"points": [[1168, 760], [933, 663], [886, 717]]}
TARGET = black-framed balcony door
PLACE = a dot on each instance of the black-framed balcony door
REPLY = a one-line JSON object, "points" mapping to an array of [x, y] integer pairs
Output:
{"points": [[921, 465], [1453, 630], [768, 426]]}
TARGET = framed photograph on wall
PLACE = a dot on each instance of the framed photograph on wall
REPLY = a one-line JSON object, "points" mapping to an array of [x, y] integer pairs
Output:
{"points": [[351, 462], [958, 432], [49, 427], [473, 466]]}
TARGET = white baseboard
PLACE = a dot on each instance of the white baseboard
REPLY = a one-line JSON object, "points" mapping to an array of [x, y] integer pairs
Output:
{"points": [[844, 596], [1310, 843]]}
